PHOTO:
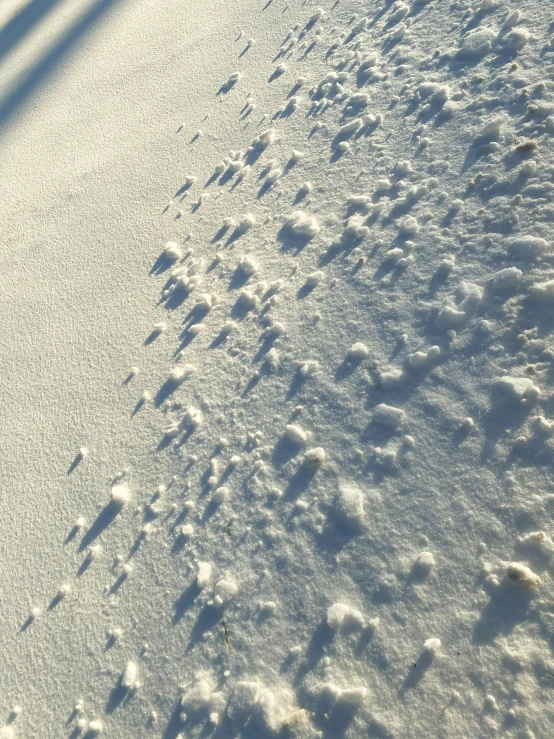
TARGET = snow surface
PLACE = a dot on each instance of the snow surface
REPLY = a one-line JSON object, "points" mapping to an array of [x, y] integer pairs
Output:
{"points": [[275, 368]]}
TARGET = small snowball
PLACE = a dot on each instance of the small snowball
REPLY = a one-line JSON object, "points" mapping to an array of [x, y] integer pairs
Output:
{"points": [[296, 434], [249, 299], [421, 359], [206, 301]]}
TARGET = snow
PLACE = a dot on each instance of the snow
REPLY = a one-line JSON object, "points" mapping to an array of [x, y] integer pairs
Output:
{"points": [[245, 696], [349, 506], [521, 575], [276, 368]]}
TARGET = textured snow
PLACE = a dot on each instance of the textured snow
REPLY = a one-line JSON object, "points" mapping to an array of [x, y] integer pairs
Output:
{"points": [[276, 368]]}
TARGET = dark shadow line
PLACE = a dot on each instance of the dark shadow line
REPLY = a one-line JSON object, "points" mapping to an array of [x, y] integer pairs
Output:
{"points": [[48, 63], [22, 23]]}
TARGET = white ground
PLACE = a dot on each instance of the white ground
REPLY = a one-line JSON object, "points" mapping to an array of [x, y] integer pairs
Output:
{"points": [[406, 333]]}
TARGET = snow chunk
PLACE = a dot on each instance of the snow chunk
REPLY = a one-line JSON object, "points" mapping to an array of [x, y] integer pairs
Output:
{"points": [[172, 251], [199, 697], [204, 574], [409, 226], [130, 675], [358, 351], [355, 228], [388, 415], [94, 728], [296, 434], [432, 646], [449, 317], [528, 248], [506, 279], [515, 40], [314, 278], [402, 169], [302, 224], [350, 128], [391, 378], [245, 223], [421, 359], [224, 592], [491, 130], [338, 614], [519, 388], [268, 607], [120, 495], [477, 44], [423, 564], [245, 696], [248, 265], [353, 696], [358, 100], [180, 374], [349, 505], [315, 16], [249, 299], [264, 139], [220, 494], [543, 291], [522, 575], [314, 457], [537, 542]]}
